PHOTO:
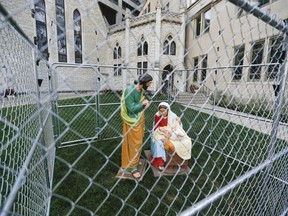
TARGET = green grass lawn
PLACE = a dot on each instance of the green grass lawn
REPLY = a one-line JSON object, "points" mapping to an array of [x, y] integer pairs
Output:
{"points": [[84, 175]]}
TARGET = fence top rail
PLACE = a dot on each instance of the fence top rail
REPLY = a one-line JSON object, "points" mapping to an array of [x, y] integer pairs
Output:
{"points": [[55, 65], [229, 66]]}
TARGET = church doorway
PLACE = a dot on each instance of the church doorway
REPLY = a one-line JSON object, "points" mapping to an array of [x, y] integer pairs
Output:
{"points": [[167, 79]]}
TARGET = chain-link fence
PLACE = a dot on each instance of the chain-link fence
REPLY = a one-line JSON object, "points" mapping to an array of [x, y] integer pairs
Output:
{"points": [[27, 141], [222, 67]]}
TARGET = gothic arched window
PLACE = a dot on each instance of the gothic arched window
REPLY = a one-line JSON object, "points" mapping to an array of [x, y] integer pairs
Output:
{"points": [[169, 46], [142, 47], [117, 51], [139, 49], [40, 17], [61, 31], [77, 36], [166, 48], [145, 48], [173, 48]]}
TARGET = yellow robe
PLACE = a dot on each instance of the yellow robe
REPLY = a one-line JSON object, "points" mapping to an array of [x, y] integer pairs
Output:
{"points": [[133, 127], [132, 144]]}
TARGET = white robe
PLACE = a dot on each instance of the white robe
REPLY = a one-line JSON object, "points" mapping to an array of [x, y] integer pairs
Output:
{"points": [[179, 138]]}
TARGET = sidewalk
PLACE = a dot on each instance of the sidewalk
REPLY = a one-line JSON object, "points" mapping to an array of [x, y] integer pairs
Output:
{"points": [[257, 123]]}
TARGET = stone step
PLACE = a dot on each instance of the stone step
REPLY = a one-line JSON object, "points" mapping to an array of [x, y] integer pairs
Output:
{"points": [[196, 98]]}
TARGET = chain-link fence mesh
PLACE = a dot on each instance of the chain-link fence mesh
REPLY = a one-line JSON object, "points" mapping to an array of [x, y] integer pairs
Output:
{"points": [[221, 66], [27, 151]]}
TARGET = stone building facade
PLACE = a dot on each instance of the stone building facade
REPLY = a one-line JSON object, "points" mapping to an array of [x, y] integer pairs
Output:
{"points": [[232, 33], [147, 34], [98, 41]]}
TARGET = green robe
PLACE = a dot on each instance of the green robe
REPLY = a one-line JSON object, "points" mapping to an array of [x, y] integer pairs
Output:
{"points": [[131, 105]]}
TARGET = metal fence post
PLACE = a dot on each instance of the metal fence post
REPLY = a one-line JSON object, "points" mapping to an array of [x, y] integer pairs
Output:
{"points": [[97, 105], [54, 103]]}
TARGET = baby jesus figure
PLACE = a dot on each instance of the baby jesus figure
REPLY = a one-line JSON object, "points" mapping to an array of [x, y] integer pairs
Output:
{"points": [[174, 132]]}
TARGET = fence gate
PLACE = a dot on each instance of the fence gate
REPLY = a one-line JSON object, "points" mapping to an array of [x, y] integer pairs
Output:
{"points": [[87, 101], [76, 102]]}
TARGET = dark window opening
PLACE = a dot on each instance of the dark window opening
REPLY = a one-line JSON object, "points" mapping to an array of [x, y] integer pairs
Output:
{"points": [[238, 62], [77, 36], [257, 57], [195, 74], [41, 28], [275, 56], [61, 31]]}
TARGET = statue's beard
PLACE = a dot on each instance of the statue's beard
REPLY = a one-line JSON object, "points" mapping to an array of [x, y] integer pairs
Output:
{"points": [[145, 87]]}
